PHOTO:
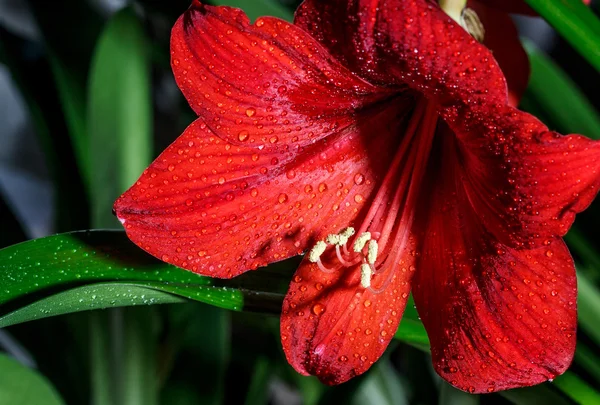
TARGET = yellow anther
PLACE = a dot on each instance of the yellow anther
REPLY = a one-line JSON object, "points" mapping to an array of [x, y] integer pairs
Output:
{"points": [[365, 275], [372, 249], [340, 238], [315, 253], [347, 233], [361, 241], [333, 239]]}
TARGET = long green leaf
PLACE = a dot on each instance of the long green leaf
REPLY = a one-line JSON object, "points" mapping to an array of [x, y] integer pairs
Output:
{"points": [[589, 307], [552, 91], [95, 269], [259, 8], [382, 386], [119, 116], [451, 396], [575, 22], [577, 389], [20, 385]]}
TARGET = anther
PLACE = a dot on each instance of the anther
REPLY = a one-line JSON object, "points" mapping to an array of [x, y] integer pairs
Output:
{"points": [[341, 238], [333, 239], [372, 251], [361, 241], [365, 275], [315, 253]]}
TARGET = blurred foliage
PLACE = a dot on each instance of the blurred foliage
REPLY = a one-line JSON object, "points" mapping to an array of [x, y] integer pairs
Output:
{"points": [[102, 100]]}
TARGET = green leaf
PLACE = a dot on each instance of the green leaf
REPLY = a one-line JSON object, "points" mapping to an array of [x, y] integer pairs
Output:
{"points": [[576, 23], [101, 269], [588, 359], [20, 385], [577, 389], [259, 8], [451, 396], [589, 307], [382, 386], [202, 335], [119, 116], [95, 296], [259, 383], [540, 394], [558, 98]]}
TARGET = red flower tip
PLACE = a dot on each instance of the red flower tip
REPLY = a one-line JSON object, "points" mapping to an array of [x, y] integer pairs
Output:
{"points": [[387, 118]]}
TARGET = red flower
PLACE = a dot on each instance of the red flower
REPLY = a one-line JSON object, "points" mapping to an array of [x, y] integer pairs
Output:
{"points": [[386, 117]]}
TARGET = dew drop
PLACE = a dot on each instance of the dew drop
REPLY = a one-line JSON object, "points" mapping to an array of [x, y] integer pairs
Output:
{"points": [[359, 179], [250, 111], [282, 198], [243, 136], [318, 309]]}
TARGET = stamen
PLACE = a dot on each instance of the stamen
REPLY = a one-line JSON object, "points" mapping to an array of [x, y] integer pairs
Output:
{"points": [[340, 238], [346, 234], [323, 268], [372, 251], [365, 275], [385, 284], [315, 253], [333, 239], [361, 241], [340, 257]]}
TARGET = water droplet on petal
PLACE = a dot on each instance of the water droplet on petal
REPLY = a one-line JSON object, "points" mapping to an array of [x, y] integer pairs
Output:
{"points": [[243, 136], [318, 309]]}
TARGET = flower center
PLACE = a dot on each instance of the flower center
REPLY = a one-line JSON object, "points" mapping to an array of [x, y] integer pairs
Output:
{"points": [[380, 242]]}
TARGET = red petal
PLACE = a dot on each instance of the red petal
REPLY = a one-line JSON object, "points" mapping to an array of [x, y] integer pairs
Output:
{"points": [[524, 182], [221, 209], [502, 38], [497, 317], [333, 328], [410, 42], [268, 84]]}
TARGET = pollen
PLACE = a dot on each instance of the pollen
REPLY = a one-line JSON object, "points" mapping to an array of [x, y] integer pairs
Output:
{"points": [[315, 253], [361, 241], [341, 238], [333, 239], [372, 249], [365, 275]]}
